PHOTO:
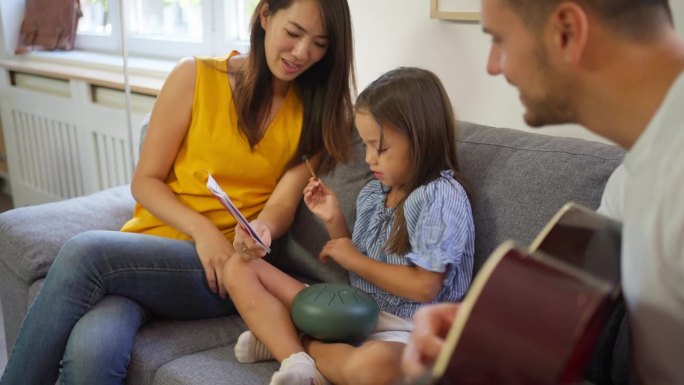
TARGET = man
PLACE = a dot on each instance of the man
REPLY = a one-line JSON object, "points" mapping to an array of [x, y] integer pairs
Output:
{"points": [[614, 66]]}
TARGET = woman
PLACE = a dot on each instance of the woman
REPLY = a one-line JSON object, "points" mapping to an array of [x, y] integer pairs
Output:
{"points": [[249, 122]]}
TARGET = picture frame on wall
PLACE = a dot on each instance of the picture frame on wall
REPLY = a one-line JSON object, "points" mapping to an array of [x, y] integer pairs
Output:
{"points": [[460, 10]]}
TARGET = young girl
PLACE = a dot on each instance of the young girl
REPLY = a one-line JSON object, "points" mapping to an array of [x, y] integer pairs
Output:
{"points": [[412, 244], [247, 119]]}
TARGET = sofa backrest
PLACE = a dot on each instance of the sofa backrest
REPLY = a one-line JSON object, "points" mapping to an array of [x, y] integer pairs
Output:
{"points": [[520, 179]]}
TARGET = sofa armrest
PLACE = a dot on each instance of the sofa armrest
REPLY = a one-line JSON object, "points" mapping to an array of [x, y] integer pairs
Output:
{"points": [[30, 237]]}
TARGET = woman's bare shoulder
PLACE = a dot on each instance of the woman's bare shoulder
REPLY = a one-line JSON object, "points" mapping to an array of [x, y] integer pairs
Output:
{"points": [[184, 69]]}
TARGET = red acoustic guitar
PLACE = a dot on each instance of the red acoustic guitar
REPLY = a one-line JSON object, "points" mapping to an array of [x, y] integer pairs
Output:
{"points": [[534, 316]]}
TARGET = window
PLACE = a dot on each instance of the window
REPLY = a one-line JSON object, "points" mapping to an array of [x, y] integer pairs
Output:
{"points": [[165, 28], [173, 20]]}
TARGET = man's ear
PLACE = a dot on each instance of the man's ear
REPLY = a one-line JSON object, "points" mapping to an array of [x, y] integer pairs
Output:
{"points": [[569, 29], [264, 13]]}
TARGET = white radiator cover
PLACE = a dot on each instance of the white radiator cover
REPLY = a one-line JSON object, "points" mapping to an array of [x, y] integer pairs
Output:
{"points": [[61, 143], [48, 157]]}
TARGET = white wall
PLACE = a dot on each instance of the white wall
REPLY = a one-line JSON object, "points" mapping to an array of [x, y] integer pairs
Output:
{"points": [[11, 13], [392, 33]]}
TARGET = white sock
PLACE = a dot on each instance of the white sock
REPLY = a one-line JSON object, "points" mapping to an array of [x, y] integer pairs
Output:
{"points": [[248, 349], [298, 369]]}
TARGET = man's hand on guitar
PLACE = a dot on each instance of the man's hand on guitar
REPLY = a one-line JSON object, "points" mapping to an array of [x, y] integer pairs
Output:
{"points": [[430, 327]]}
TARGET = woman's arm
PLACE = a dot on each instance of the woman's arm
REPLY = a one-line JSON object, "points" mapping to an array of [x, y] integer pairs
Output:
{"points": [[280, 209], [410, 282], [168, 126], [278, 214]]}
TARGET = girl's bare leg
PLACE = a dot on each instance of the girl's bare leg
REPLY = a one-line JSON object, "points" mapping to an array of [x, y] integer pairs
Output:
{"points": [[374, 362], [263, 295]]}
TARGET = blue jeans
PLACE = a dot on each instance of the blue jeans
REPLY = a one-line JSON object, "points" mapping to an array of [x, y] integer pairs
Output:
{"points": [[101, 288]]}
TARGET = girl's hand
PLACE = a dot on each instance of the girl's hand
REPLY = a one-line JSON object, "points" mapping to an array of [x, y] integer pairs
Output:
{"points": [[341, 250], [214, 250], [321, 200], [246, 247]]}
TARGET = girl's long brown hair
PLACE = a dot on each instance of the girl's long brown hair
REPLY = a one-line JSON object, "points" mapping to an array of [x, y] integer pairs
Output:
{"points": [[324, 89], [413, 101]]}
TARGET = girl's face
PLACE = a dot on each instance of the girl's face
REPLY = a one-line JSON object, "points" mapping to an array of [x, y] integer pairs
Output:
{"points": [[296, 38], [389, 157]]}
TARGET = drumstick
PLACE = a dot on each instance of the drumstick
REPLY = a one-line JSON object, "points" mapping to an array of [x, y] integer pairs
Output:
{"points": [[308, 165]]}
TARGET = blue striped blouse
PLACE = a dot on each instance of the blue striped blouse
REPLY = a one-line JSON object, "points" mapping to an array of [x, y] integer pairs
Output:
{"points": [[441, 233]]}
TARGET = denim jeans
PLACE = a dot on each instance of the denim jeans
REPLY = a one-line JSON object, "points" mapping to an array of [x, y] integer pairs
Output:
{"points": [[101, 288]]}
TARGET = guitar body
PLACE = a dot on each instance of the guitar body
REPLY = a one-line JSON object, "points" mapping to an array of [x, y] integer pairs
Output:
{"points": [[535, 316], [532, 324]]}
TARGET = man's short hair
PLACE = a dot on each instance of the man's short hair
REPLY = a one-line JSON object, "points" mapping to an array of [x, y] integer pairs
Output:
{"points": [[634, 19]]}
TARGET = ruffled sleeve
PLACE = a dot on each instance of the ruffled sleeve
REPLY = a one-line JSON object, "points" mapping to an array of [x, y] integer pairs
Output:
{"points": [[441, 229]]}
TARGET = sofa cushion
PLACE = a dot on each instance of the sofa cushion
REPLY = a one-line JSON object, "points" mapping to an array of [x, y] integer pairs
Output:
{"points": [[214, 366], [32, 236], [520, 181], [160, 342]]}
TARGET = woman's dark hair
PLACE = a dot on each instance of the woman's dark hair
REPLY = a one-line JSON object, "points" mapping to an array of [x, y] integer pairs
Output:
{"points": [[413, 101], [324, 89]]}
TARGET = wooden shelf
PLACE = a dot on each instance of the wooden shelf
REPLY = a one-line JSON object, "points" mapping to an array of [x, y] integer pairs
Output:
{"points": [[142, 84]]}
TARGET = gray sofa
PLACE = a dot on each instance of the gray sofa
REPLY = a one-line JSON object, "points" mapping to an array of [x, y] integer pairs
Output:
{"points": [[518, 181]]}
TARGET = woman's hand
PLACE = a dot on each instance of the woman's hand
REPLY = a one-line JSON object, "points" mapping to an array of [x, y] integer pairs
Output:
{"points": [[247, 247], [214, 250], [321, 200]]}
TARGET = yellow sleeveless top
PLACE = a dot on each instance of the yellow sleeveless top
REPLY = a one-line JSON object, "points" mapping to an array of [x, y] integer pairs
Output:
{"points": [[213, 144]]}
